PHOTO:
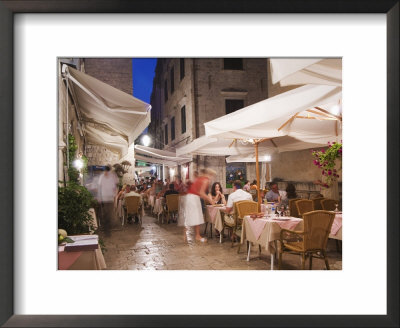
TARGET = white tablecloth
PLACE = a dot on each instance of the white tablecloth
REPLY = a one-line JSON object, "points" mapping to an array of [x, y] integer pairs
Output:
{"points": [[213, 215], [158, 206]]}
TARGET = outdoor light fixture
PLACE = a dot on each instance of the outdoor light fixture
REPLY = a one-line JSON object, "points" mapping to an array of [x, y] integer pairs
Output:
{"points": [[78, 164], [266, 158], [146, 140], [336, 109]]}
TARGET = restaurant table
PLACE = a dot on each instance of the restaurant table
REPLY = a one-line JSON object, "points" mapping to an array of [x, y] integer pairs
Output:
{"points": [[336, 231], [84, 260], [266, 231], [158, 207], [213, 215], [152, 200]]}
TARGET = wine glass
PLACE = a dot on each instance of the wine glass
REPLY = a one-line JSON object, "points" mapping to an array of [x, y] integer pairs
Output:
{"points": [[278, 209], [336, 208]]}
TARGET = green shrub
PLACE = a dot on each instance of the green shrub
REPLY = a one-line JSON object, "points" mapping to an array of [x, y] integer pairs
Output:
{"points": [[74, 202]]}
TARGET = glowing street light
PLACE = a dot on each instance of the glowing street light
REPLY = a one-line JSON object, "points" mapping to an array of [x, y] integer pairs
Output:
{"points": [[78, 164], [146, 140]]}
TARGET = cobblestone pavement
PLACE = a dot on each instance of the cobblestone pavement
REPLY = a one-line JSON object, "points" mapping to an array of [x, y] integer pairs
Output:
{"points": [[161, 246]]}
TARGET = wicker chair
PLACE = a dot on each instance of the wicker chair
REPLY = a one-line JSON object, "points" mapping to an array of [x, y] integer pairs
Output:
{"points": [[329, 204], [293, 207], [304, 206], [172, 205], [317, 203], [132, 204], [243, 208], [314, 238]]}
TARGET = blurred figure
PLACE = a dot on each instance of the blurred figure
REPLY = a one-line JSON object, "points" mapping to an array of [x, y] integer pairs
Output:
{"points": [[192, 213], [253, 185], [179, 185], [108, 186], [291, 191], [246, 186], [290, 194]]}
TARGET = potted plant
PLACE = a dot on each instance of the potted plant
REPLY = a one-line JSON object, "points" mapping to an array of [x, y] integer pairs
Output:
{"points": [[74, 202], [326, 159]]}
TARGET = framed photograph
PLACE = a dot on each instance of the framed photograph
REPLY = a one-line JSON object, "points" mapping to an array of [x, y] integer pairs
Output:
{"points": [[34, 34]]}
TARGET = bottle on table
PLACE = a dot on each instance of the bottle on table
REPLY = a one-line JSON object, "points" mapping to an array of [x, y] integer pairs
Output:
{"points": [[336, 208], [273, 209]]}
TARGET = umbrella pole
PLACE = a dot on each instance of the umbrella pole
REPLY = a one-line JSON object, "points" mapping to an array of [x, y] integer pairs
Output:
{"points": [[258, 178]]}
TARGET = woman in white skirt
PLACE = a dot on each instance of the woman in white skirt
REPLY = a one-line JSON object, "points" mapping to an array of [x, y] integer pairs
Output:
{"points": [[191, 213]]}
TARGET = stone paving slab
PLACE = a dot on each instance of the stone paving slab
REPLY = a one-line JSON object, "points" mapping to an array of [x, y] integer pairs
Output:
{"points": [[157, 246]]}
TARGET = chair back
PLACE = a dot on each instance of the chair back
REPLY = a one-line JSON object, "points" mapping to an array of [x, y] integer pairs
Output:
{"points": [[317, 227], [245, 207], [304, 206], [132, 204], [329, 204], [317, 203], [172, 202], [293, 208]]}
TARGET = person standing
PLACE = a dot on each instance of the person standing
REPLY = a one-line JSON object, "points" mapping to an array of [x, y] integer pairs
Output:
{"points": [[192, 213], [108, 183]]}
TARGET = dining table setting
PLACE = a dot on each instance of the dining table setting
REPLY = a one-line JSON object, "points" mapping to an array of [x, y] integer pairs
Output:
{"points": [[215, 216], [264, 229]]}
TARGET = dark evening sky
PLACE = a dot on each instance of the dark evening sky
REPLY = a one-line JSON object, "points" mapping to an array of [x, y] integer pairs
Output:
{"points": [[143, 73]]}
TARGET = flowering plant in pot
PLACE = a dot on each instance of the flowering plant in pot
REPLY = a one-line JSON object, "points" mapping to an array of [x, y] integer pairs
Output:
{"points": [[325, 159]]}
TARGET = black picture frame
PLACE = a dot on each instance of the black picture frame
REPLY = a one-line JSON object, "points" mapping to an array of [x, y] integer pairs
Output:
{"points": [[7, 11]]}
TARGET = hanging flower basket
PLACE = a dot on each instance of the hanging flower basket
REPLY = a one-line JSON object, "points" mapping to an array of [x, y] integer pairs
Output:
{"points": [[326, 160]]}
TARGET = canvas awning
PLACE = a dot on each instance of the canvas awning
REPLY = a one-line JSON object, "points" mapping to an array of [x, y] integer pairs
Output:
{"points": [[158, 156], [288, 71], [114, 142], [119, 113], [305, 113]]}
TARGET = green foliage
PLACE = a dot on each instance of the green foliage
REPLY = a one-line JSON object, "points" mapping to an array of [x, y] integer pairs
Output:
{"points": [[73, 174], [85, 164], [74, 202], [326, 160], [72, 148]]}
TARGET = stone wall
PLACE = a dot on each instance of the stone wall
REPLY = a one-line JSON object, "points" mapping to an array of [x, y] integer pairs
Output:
{"points": [[116, 72], [101, 155]]}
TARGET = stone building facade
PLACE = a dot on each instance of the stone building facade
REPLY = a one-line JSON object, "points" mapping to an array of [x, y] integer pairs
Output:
{"points": [[187, 92], [116, 72]]}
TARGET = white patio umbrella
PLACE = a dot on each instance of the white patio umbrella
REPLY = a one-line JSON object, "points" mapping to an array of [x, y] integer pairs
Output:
{"points": [[217, 147], [305, 114], [300, 71]]}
